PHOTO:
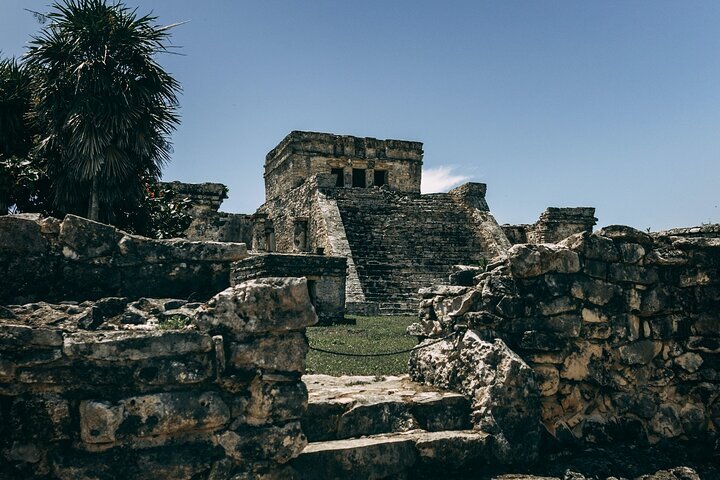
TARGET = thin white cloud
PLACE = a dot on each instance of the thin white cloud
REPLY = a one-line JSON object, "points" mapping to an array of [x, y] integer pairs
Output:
{"points": [[440, 179]]}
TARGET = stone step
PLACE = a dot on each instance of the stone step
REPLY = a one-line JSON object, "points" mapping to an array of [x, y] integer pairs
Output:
{"points": [[354, 406], [413, 454]]}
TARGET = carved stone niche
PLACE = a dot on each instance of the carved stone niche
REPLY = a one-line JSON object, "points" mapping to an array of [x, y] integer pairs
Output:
{"points": [[263, 233], [301, 237]]}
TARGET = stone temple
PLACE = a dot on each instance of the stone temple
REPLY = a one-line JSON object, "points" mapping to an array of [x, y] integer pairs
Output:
{"points": [[359, 198]]}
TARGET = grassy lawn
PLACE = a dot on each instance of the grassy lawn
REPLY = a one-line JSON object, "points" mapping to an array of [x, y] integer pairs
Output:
{"points": [[369, 335]]}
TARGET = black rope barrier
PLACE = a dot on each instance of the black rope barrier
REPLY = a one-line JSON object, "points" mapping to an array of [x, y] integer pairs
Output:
{"points": [[383, 354]]}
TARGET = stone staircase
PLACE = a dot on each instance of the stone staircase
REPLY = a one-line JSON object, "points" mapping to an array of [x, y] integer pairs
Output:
{"points": [[402, 242], [388, 427]]}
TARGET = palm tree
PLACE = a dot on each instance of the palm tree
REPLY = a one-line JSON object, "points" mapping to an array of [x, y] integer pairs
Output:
{"points": [[104, 107], [16, 134]]}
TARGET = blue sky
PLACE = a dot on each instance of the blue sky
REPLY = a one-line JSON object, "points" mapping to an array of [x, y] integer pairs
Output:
{"points": [[613, 104]]}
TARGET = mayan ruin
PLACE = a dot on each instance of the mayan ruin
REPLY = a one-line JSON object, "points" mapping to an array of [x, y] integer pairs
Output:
{"points": [[527, 332], [519, 280]]}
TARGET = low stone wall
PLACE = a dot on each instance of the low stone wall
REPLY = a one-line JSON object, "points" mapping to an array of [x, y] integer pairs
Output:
{"points": [[325, 276], [126, 396], [622, 330], [78, 259]]}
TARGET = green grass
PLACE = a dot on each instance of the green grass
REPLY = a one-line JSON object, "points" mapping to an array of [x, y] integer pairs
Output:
{"points": [[369, 335]]}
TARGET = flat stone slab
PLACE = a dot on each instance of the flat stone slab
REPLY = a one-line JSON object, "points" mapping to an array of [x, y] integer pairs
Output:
{"points": [[355, 406], [417, 453]]}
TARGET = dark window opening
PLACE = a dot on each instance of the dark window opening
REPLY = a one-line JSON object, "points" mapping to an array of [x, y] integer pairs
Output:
{"points": [[359, 177], [380, 178], [340, 174], [312, 292]]}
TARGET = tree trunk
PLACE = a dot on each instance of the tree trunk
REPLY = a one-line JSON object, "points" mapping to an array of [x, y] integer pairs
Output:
{"points": [[94, 207]]}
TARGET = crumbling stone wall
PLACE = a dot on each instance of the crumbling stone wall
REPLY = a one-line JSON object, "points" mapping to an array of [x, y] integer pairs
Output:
{"points": [[208, 223], [125, 396], [622, 330], [325, 276], [78, 259], [554, 224]]}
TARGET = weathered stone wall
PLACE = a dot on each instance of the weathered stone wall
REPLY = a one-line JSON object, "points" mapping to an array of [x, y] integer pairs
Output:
{"points": [[303, 154], [621, 328], [220, 227], [281, 212], [209, 224], [554, 225], [219, 398], [78, 259], [325, 275]]}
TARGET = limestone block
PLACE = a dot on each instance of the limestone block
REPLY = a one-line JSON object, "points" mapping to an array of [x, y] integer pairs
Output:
{"points": [[272, 402], [641, 352], [86, 239], [459, 305], [21, 336], [666, 257], [548, 379], [257, 444], [666, 422], [622, 234], [261, 305], [598, 331], [128, 345], [592, 315], [592, 246], [153, 415], [532, 260], [358, 459], [22, 235], [594, 291], [622, 272], [99, 421], [464, 275], [659, 299], [557, 305], [577, 365], [284, 353], [631, 252]]}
